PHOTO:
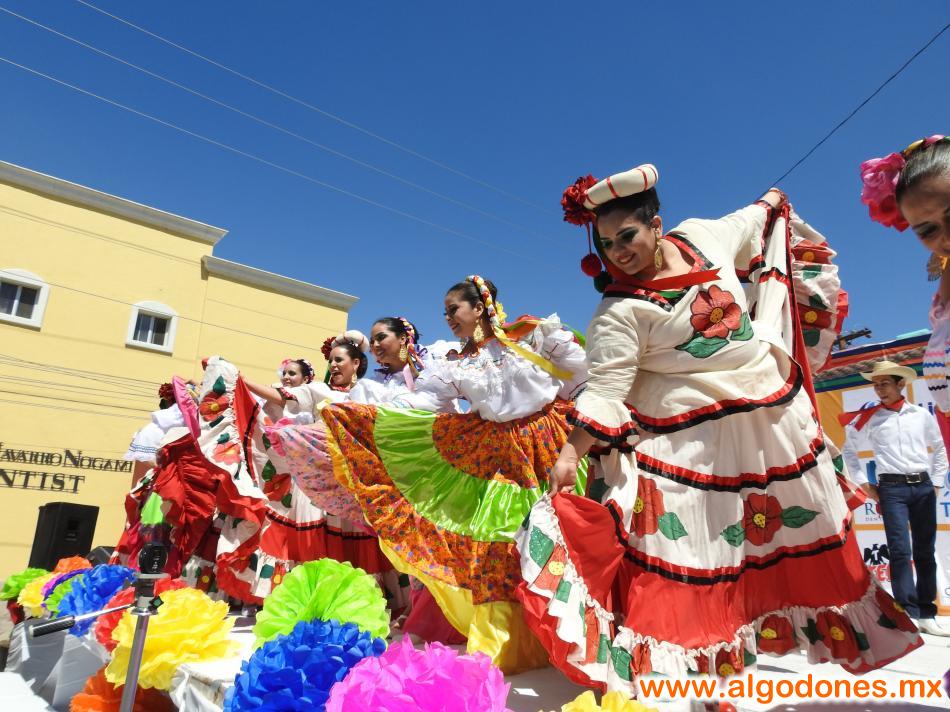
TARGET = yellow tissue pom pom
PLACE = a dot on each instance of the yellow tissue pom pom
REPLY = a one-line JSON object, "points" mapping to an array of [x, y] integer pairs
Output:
{"points": [[612, 702], [189, 627], [31, 597]]}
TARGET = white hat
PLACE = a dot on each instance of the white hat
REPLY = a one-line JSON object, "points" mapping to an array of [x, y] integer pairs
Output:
{"points": [[620, 185], [889, 368]]}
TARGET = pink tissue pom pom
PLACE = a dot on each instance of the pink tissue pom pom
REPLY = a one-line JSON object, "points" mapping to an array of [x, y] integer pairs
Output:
{"points": [[437, 678]]}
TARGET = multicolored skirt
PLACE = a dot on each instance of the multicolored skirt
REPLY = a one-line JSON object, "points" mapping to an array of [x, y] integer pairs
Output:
{"points": [[446, 494]]}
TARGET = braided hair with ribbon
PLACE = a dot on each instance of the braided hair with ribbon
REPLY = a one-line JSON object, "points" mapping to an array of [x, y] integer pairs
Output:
{"points": [[496, 317]]}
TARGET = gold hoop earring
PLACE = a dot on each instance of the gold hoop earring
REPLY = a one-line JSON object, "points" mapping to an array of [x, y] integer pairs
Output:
{"points": [[403, 353], [658, 253], [478, 336]]}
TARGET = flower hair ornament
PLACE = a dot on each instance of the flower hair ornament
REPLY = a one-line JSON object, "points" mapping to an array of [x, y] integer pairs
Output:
{"points": [[353, 337], [879, 177], [582, 197], [166, 393], [307, 367], [496, 317]]}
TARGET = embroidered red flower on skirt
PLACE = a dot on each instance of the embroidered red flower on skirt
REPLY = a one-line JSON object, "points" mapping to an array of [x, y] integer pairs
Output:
{"points": [[776, 635], [892, 613], [728, 663], [211, 406], [715, 313], [227, 453], [761, 518], [648, 508], [837, 635]]}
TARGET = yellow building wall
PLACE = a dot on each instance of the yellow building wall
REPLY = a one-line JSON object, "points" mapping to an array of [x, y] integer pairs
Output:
{"points": [[75, 384]]}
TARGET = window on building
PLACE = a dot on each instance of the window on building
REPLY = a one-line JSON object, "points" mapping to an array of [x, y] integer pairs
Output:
{"points": [[23, 297], [152, 326]]}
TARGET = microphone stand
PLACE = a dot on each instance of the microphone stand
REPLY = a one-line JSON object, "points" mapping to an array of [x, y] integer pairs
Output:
{"points": [[152, 560]]}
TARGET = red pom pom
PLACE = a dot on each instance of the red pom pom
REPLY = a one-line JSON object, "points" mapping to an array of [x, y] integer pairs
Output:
{"points": [[204, 363], [591, 265], [573, 201]]}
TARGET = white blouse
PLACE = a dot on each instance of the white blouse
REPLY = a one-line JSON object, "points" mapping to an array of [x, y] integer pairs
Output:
{"points": [[305, 398], [146, 441], [379, 387], [499, 384]]}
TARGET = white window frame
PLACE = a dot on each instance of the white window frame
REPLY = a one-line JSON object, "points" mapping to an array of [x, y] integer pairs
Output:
{"points": [[23, 278], [160, 310]]}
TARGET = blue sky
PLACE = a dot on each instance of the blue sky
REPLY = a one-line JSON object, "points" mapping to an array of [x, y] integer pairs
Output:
{"points": [[522, 96]]}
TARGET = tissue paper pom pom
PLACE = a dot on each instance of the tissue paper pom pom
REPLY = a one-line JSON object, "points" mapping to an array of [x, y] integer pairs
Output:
{"points": [[296, 671], [189, 627], [325, 589], [92, 592], [15, 582], [57, 579], [107, 623], [61, 588], [100, 695], [31, 597], [72, 563], [434, 679], [612, 702]]}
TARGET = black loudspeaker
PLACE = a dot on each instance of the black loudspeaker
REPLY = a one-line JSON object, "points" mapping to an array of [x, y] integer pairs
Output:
{"points": [[62, 529]]}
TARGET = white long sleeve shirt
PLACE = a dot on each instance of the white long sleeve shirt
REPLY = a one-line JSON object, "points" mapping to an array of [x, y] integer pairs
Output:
{"points": [[903, 442]]}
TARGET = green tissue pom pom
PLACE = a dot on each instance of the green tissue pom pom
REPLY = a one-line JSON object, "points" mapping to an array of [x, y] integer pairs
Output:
{"points": [[326, 589]]}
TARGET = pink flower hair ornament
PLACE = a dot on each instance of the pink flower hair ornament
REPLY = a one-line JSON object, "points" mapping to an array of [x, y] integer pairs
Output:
{"points": [[879, 178]]}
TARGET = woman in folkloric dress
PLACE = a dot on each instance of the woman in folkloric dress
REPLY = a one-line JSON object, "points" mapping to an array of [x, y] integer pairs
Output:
{"points": [[723, 531], [445, 491], [912, 189]]}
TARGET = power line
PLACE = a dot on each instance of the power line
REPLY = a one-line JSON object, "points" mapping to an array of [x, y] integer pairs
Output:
{"points": [[271, 125], [183, 318], [71, 373], [67, 370], [71, 410], [253, 157], [860, 106], [322, 112], [76, 388], [72, 400]]}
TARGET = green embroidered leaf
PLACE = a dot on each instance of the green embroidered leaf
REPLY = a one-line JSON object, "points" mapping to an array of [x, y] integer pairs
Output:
{"points": [[252, 562], [219, 386], [215, 421], [603, 647], [744, 332], [815, 301], [267, 571], [563, 590], [838, 462], [811, 631], [266, 442], [886, 622], [811, 337], [671, 527], [621, 661], [540, 547], [267, 474], [861, 638], [796, 517], [286, 500], [734, 534], [811, 271], [747, 658], [701, 347], [236, 521], [224, 437]]}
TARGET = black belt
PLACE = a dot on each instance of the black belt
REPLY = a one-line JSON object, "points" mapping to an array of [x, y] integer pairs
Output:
{"points": [[913, 478]]}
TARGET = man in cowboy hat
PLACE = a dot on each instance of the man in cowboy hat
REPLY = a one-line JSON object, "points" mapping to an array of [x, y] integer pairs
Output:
{"points": [[911, 465]]}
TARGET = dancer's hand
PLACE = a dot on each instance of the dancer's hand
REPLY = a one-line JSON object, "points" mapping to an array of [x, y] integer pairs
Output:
{"points": [[564, 473]]}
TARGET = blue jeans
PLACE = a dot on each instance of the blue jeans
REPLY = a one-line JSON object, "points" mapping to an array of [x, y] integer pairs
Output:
{"points": [[916, 505]]}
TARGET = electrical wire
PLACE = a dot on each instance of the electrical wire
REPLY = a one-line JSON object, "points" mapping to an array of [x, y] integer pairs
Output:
{"points": [[60, 399], [277, 166], [860, 106], [179, 316], [19, 445], [276, 127], [71, 410], [322, 112], [77, 388]]}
